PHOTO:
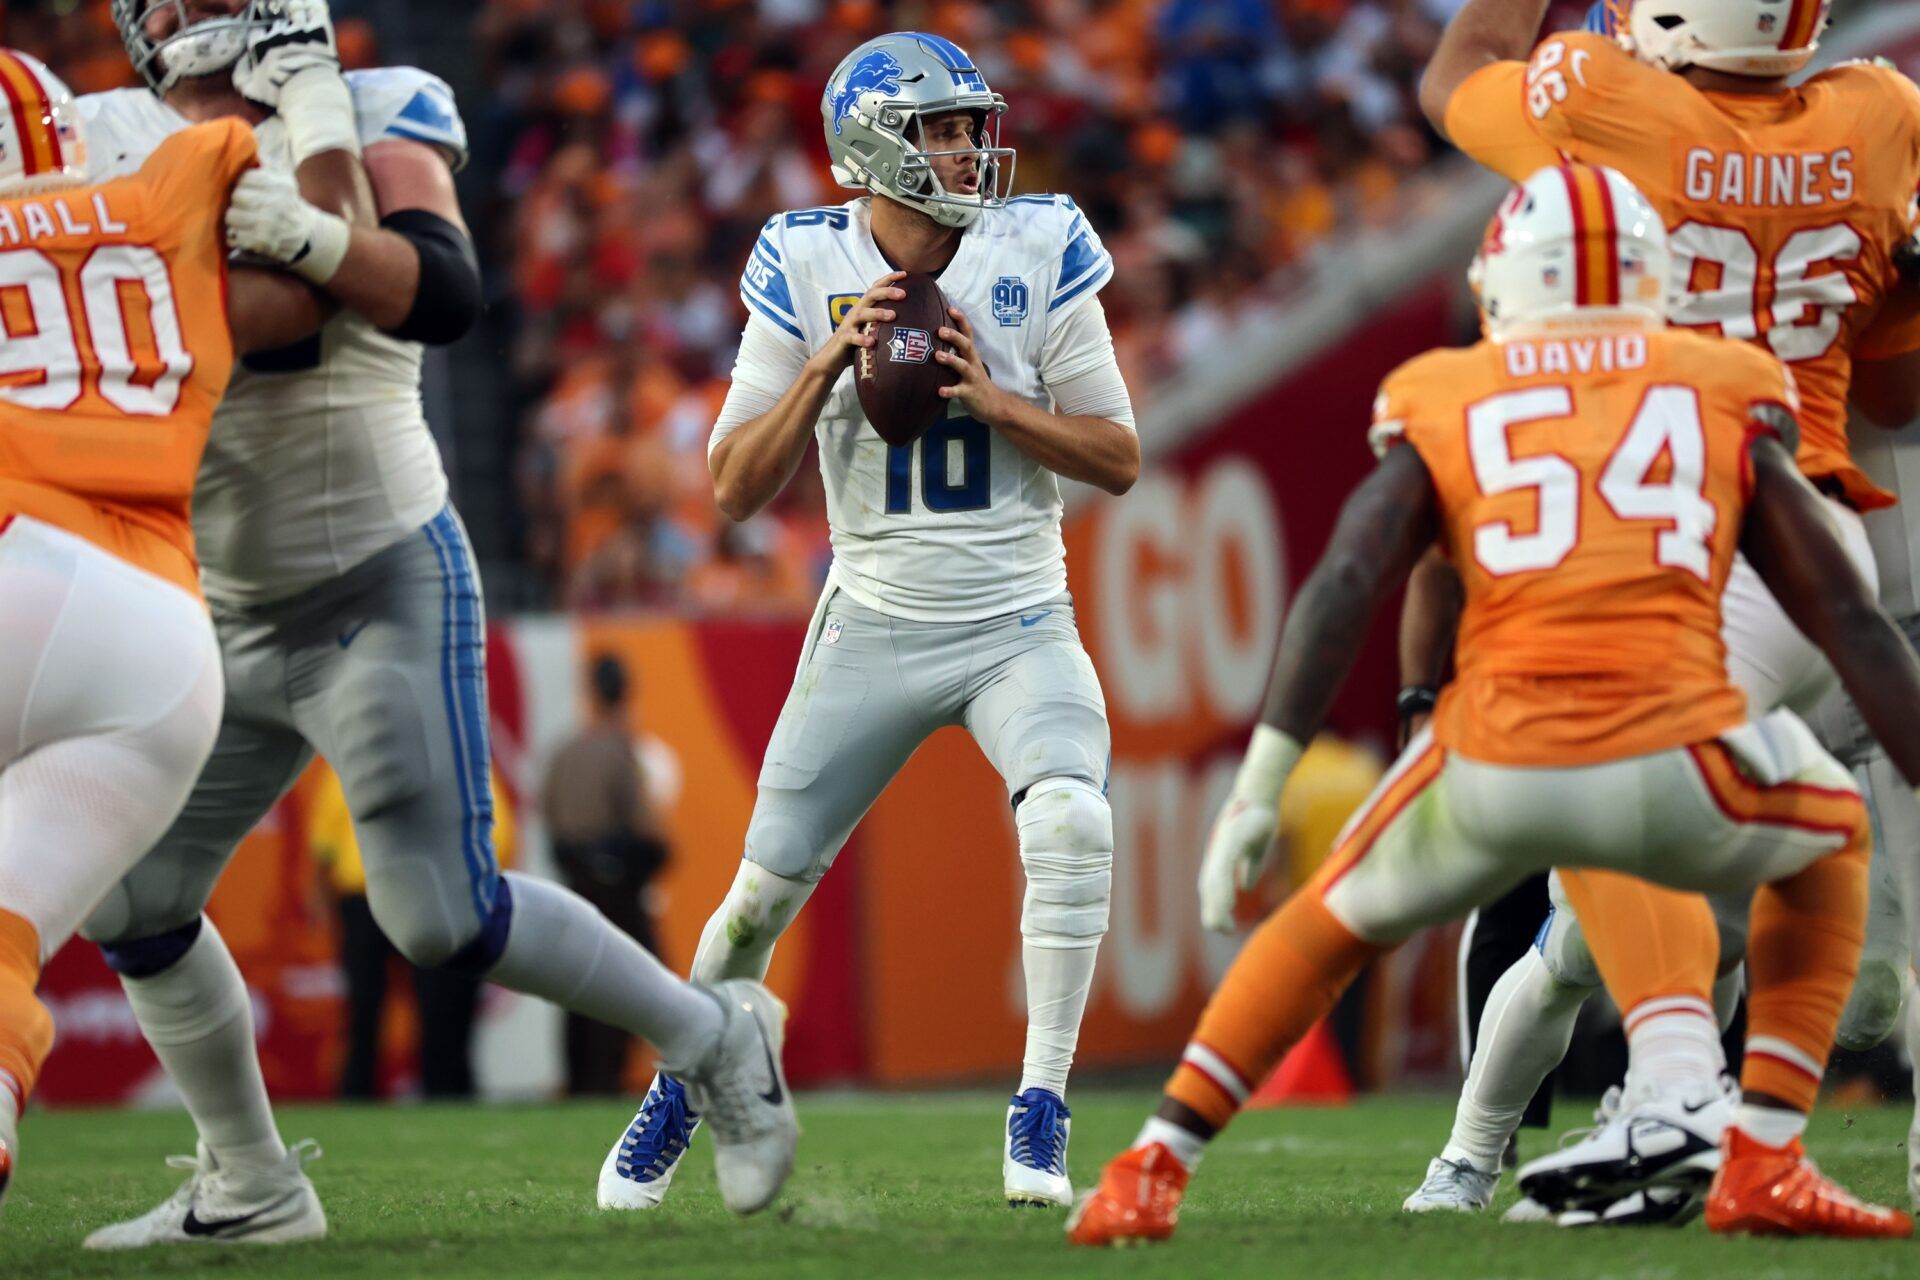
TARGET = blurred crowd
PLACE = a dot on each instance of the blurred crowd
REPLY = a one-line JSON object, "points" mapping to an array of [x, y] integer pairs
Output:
{"points": [[1217, 145], [629, 150]]}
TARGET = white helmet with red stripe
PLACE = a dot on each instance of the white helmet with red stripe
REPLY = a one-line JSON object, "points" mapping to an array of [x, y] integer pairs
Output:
{"points": [[1571, 245], [42, 147], [1740, 37]]}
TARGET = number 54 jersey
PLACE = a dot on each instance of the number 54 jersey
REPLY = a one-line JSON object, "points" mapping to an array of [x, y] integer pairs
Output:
{"points": [[960, 525], [116, 348], [1783, 210], [1591, 491]]}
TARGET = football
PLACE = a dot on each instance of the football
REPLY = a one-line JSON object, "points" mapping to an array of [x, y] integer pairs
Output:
{"points": [[898, 379]]}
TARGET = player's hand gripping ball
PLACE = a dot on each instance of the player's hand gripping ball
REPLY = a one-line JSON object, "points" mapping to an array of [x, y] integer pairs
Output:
{"points": [[898, 379]]}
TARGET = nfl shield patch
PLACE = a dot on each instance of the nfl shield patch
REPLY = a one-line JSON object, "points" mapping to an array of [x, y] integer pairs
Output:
{"points": [[910, 346], [1010, 299], [832, 634]]}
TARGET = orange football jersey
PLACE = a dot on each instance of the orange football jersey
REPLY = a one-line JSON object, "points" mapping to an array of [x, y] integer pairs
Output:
{"points": [[114, 348], [1783, 209], [1591, 492]]}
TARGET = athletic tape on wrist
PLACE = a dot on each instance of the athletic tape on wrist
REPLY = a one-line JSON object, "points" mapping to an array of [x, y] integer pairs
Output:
{"points": [[317, 108]]}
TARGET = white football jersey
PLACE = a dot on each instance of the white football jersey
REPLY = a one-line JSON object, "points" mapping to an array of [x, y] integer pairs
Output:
{"points": [[320, 455], [960, 525]]}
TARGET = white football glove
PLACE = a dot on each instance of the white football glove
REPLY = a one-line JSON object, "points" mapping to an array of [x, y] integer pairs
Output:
{"points": [[291, 37], [268, 218], [1241, 842]]}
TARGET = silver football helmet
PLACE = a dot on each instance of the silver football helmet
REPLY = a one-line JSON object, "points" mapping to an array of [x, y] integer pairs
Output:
{"points": [[202, 48], [875, 102]]}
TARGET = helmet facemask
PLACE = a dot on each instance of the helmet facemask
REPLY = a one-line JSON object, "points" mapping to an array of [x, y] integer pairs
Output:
{"points": [[194, 49], [875, 110]]}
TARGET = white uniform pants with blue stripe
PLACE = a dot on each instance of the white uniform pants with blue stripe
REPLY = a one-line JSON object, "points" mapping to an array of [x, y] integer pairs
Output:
{"points": [[383, 672]]}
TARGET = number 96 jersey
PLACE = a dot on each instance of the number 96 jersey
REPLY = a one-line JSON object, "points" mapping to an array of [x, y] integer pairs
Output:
{"points": [[959, 526], [1783, 210], [1592, 506], [116, 349]]}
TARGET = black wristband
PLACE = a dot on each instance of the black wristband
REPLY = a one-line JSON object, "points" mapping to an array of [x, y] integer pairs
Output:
{"points": [[1416, 700]]}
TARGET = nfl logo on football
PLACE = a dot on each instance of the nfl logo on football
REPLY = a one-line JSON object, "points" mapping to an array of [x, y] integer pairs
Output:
{"points": [[910, 346]]}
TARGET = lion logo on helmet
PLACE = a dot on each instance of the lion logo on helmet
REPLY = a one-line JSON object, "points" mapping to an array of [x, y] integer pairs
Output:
{"points": [[878, 72]]}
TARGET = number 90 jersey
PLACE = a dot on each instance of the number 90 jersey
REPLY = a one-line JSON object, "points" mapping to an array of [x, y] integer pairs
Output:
{"points": [[1592, 505], [1783, 209], [960, 525], [116, 348]]}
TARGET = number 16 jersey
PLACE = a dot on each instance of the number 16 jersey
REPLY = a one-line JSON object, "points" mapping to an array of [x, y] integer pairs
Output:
{"points": [[1783, 209], [116, 348], [960, 525]]}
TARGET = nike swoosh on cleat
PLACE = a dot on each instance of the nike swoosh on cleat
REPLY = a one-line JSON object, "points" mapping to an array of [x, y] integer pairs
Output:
{"points": [[772, 1097], [352, 633], [1028, 621], [197, 1226]]}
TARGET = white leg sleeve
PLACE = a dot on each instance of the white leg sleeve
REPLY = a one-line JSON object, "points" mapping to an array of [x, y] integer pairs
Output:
{"points": [[1066, 846], [1524, 1032], [739, 937]]}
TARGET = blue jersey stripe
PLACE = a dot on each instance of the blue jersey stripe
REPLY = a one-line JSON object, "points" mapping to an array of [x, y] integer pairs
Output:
{"points": [[433, 138], [765, 245], [463, 685], [766, 309], [1092, 279]]}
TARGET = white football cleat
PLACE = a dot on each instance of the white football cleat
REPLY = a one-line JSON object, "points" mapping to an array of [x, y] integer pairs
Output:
{"points": [[1662, 1142], [1033, 1161], [1453, 1186], [1653, 1207], [740, 1090], [1525, 1210], [639, 1168], [215, 1206]]}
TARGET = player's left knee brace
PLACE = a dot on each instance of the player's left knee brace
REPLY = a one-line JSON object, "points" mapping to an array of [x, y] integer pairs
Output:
{"points": [[1066, 846]]}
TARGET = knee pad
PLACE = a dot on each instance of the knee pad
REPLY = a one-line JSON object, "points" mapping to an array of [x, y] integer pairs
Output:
{"points": [[1066, 846], [429, 914], [145, 957], [380, 741]]}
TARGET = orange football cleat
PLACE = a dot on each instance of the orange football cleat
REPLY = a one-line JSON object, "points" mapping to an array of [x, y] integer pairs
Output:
{"points": [[1138, 1200], [1777, 1191]]}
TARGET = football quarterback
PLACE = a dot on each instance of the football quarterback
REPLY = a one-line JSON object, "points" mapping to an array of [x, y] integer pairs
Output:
{"points": [[947, 601]]}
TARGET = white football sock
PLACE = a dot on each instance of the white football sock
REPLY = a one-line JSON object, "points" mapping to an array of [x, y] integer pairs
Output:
{"points": [[199, 1019], [560, 948], [1524, 1033], [738, 939], [1773, 1126], [1727, 990], [1673, 1048], [1186, 1145], [1059, 980]]}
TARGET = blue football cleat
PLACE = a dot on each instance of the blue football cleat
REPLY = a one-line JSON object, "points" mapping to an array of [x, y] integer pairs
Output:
{"points": [[640, 1167], [1034, 1165]]}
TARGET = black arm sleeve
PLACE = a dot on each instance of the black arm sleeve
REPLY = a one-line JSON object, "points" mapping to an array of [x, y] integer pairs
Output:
{"points": [[448, 300]]}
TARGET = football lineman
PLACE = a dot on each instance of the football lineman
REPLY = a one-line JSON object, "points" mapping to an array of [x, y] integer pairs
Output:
{"points": [[1787, 207], [1592, 473], [350, 623], [947, 601]]}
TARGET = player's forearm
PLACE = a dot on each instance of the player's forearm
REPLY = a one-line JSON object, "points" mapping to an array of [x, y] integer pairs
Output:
{"points": [[1095, 451], [1482, 32], [1428, 621], [337, 182], [1879, 671], [379, 278], [757, 459]]}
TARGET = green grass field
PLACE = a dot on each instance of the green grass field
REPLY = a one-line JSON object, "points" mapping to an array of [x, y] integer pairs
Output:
{"points": [[889, 1186]]}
